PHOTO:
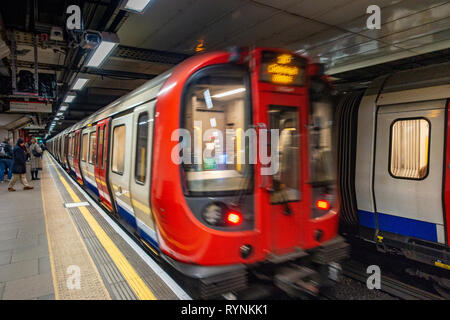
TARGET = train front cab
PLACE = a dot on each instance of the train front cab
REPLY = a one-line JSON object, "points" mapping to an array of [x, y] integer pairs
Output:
{"points": [[236, 214]]}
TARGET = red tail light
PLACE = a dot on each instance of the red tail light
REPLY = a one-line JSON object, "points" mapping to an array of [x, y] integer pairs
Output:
{"points": [[323, 204], [234, 218]]}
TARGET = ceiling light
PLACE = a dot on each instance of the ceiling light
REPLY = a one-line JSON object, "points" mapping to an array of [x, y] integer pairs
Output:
{"points": [[69, 98], [103, 50], [79, 83], [228, 93], [136, 5], [63, 107]]}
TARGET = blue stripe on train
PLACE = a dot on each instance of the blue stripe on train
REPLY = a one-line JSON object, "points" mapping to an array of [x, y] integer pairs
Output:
{"points": [[92, 187], [399, 225], [149, 239], [129, 218]]}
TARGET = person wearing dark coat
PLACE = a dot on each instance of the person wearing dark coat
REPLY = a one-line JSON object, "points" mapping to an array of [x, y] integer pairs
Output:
{"points": [[6, 160], [19, 167]]}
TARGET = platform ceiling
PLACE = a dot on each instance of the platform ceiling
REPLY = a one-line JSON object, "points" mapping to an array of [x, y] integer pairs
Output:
{"points": [[412, 33], [334, 30]]}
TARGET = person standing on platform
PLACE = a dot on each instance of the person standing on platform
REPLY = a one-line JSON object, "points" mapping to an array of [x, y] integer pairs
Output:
{"points": [[19, 167], [36, 161], [5, 159]]}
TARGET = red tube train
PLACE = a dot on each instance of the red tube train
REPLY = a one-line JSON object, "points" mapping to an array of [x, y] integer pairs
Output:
{"points": [[221, 166]]}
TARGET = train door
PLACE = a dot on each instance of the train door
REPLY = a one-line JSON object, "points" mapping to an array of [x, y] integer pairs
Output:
{"points": [[286, 198], [408, 175], [77, 156], [66, 152], [142, 142], [119, 170], [101, 163], [84, 153], [89, 168], [71, 154]]}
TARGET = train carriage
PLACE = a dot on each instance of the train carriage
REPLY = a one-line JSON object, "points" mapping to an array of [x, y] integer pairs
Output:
{"points": [[395, 181], [216, 218]]}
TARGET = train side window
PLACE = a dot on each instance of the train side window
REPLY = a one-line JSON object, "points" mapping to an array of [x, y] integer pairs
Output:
{"points": [[410, 145], [118, 151], [84, 147], [141, 148], [92, 147]]}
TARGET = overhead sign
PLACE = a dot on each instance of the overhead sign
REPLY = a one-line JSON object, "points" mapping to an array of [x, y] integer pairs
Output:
{"points": [[34, 127], [30, 106], [282, 68]]}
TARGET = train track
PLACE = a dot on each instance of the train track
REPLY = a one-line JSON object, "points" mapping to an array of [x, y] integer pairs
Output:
{"points": [[393, 286]]}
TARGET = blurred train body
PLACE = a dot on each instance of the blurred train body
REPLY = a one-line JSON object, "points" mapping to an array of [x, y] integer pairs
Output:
{"points": [[214, 222], [394, 164]]}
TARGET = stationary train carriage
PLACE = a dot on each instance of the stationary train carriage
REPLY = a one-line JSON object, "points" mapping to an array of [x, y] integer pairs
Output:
{"points": [[394, 166], [155, 161]]}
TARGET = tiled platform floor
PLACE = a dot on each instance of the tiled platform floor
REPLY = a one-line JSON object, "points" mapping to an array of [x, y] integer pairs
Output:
{"points": [[24, 259], [110, 264]]}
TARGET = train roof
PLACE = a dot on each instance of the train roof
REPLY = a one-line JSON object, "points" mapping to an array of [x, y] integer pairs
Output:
{"points": [[146, 92]]}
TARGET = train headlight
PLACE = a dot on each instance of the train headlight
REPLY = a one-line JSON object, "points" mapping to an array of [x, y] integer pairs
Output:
{"points": [[218, 214], [234, 218], [213, 214]]}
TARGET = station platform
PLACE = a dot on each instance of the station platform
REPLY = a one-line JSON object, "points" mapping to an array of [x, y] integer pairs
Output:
{"points": [[57, 243]]}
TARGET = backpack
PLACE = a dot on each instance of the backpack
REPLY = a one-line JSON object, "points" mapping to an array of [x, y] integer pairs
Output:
{"points": [[3, 151], [35, 153]]}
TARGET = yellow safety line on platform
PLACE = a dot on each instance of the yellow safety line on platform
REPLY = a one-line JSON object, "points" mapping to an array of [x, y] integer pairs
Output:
{"points": [[136, 283], [66, 248]]}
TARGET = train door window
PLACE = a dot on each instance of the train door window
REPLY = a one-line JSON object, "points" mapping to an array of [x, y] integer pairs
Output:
{"points": [[77, 142], [92, 147], [410, 148], [71, 146], [105, 147], [118, 151], [84, 147], [141, 148], [286, 179], [100, 141]]}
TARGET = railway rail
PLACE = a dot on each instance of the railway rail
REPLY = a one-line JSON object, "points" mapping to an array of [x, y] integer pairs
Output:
{"points": [[393, 286]]}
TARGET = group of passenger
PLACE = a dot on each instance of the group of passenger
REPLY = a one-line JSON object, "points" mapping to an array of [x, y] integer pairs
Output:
{"points": [[14, 160]]}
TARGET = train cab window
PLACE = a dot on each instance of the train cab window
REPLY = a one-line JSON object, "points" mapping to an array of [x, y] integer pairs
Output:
{"points": [[92, 148], [141, 148], [118, 151], [409, 148], [217, 114], [286, 179], [84, 147]]}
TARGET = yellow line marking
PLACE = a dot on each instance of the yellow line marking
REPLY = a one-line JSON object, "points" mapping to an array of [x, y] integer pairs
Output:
{"points": [[442, 265], [136, 283]]}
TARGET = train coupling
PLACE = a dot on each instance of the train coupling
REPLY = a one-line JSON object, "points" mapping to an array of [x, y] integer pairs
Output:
{"points": [[298, 281]]}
